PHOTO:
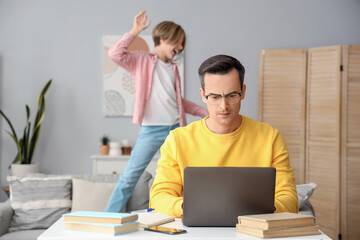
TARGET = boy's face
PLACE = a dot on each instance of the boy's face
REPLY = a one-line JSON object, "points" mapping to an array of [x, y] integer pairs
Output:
{"points": [[170, 50]]}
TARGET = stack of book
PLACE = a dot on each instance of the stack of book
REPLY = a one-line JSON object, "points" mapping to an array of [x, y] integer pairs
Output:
{"points": [[274, 225], [101, 222]]}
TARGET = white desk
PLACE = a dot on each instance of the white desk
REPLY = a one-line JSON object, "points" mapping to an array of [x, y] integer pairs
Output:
{"points": [[57, 232]]}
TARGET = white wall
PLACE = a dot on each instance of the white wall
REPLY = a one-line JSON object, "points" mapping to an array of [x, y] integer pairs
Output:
{"points": [[61, 39]]}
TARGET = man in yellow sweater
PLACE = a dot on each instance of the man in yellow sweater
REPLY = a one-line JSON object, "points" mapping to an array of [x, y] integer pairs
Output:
{"points": [[223, 139]]}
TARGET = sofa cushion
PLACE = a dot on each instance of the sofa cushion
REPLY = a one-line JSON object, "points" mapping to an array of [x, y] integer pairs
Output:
{"points": [[140, 196], [92, 192], [38, 202], [6, 214], [307, 209], [304, 192], [90, 196], [23, 235], [107, 178]]}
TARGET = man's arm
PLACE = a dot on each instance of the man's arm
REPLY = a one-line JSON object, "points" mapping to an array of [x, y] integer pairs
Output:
{"points": [[194, 109], [166, 194], [285, 189]]}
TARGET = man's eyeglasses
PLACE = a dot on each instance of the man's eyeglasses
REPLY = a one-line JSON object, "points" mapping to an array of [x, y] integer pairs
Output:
{"points": [[231, 98]]}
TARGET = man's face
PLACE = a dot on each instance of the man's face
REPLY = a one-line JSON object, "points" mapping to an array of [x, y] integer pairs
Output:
{"points": [[223, 115]]}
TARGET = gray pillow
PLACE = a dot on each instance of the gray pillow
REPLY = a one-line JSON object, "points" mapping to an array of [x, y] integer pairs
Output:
{"points": [[38, 202], [109, 178], [140, 197], [304, 192]]}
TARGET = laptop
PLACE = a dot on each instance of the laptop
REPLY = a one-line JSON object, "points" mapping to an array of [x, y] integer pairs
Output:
{"points": [[216, 196]]}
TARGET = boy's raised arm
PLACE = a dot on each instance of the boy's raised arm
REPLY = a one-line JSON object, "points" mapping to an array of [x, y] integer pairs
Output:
{"points": [[140, 24]]}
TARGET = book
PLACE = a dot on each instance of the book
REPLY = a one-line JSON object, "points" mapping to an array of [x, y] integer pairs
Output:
{"points": [[113, 229], [276, 220], [149, 219], [99, 217], [278, 232]]}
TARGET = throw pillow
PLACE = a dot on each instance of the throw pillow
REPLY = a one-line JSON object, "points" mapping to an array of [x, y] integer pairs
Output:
{"points": [[38, 202], [140, 197], [92, 192], [304, 192], [108, 178], [90, 196]]}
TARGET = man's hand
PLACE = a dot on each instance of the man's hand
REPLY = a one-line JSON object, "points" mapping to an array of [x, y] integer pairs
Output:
{"points": [[140, 23]]}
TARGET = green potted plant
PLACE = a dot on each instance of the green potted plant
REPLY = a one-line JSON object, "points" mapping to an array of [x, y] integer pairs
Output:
{"points": [[104, 147], [26, 145]]}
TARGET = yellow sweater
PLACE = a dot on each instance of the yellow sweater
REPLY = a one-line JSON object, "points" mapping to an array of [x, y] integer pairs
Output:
{"points": [[253, 144]]}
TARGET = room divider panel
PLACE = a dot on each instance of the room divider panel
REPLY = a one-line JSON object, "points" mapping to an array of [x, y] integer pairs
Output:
{"points": [[282, 80], [350, 143], [323, 135], [313, 99]]}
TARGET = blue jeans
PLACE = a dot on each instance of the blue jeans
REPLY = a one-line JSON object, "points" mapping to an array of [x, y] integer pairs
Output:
{"points": [[148, 143]]}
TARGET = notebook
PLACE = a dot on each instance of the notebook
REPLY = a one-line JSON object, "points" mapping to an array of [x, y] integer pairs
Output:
{"points": [[149, 219], [216, 196]]}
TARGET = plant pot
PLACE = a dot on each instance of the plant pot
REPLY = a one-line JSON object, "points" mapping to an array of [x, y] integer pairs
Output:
{"points": [[21, 170], [104, 149], [126, 150]]}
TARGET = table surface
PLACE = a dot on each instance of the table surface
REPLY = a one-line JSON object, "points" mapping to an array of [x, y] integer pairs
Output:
{"points": [[57, 232]]}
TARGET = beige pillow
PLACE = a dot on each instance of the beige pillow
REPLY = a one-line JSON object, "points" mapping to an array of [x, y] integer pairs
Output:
{"points": [[90, 196]]}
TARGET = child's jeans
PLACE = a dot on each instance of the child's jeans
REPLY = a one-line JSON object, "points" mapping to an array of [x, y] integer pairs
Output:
{"points": [[148, 143]]}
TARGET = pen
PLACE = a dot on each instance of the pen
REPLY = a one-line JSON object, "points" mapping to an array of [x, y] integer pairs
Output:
{"points": [[144, 210]]}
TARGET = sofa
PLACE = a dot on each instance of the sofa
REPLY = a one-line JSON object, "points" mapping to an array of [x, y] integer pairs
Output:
{"points": [[86, 192], [74, 192]]}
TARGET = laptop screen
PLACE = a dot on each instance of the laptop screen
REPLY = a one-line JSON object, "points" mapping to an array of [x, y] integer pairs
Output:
{"points": [[216, 196]]}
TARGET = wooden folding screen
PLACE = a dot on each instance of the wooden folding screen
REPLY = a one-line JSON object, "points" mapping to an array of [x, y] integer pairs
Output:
{"points": [[331, 126], [350, 146], [323, 135], [282, 79]]}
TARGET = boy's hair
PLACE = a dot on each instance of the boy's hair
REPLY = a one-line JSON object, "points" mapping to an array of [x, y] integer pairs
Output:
{"points": [[168, 31], [221, 64]]}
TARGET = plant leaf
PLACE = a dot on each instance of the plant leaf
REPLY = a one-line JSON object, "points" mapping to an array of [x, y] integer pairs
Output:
{"points": [[38, 120], [26, 146], [18, 145], [8, 121], [36, 129], [23, 143], [44, 90], [27, 113], [26, 143]]}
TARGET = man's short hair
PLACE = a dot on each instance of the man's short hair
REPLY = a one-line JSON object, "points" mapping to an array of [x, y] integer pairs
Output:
{"points": [[169, 31], [221, 64]]}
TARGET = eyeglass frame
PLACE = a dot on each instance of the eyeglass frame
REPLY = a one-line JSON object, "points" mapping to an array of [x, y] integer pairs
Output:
{"points": [[222, 97]]}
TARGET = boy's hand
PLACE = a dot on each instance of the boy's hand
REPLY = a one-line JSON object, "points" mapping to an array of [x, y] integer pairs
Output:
{"points": [[140, 23]]}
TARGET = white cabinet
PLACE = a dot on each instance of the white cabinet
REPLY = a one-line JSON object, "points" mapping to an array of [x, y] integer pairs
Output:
{"points": [[104, 164]]}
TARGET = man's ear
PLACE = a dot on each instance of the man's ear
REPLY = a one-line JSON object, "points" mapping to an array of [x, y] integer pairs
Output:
{"points": [[243, 92], [202, 95]]}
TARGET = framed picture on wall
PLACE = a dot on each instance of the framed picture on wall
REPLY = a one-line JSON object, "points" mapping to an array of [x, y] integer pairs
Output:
{"points": [[118, 84]]}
